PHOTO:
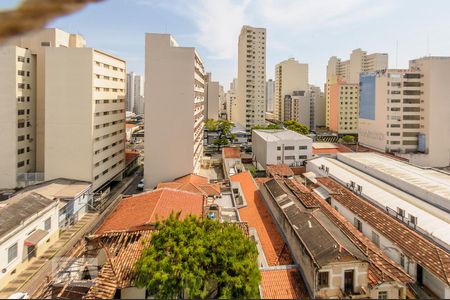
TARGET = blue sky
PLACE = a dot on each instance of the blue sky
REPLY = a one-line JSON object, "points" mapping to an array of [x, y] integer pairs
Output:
{"points": [[309, 30]]}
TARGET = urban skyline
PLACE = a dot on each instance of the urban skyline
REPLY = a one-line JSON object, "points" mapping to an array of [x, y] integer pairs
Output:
{"points": [[309, 31]]}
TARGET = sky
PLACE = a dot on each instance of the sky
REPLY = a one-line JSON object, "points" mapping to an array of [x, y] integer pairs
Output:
{"points": [[309, 30]]}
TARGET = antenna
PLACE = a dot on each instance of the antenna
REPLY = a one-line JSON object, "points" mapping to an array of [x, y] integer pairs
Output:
{"points": [[396, 54]]}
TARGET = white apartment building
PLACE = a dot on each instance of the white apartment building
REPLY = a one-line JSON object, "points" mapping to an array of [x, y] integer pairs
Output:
{"points": [[407, 111], [280, 146], [251, 90], [174, 109], [360, 61], [270, 94], [135, 93], [85, 115], [222, 103], [212, 101], [230, 99], [290, 76], [17, 114]]}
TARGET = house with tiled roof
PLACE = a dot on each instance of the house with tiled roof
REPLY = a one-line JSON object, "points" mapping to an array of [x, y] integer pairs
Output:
{"points": [[426, 262], [231, 161], [149, 207], [280, 277], [195, 184], [330, 263], [281, 170]]}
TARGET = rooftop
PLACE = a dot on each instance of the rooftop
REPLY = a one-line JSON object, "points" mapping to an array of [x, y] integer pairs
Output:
{"points": [[274, 135], [60, 188], [282, 170], [282, 283], [424, 252], [16, 210], [432, 220], [329, 148], [231, 152], [258, 216], [430, 181], [194, 184], [149, 207]]}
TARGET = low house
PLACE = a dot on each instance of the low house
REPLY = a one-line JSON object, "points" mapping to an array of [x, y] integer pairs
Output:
{"points": [[129, 129], [280, 146], [195, 184], [28, 225], [279, 171], [231, 161]]}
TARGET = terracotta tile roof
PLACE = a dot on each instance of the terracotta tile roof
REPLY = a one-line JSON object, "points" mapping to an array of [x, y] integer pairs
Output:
{"points": [[428, 255], [194, 184], [381, 267], [130, 155], [339, 149], [129, 125], [279, 170], [258, 216], [262, 179], [148, 207], [231, 152], [282, 284]]}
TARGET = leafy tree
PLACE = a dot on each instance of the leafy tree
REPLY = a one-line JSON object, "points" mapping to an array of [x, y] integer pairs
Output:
{"points": [[211, 125], [269, 126], [223, 128], [199, 258], [296, 126], [348, 139]]}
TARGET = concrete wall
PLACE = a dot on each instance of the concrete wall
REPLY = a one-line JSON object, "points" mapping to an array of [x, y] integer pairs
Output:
{"points": [[169, 110]]}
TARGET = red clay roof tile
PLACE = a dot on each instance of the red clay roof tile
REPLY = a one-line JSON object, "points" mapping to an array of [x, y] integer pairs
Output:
{"points": [[231, 152], [282, 284]]}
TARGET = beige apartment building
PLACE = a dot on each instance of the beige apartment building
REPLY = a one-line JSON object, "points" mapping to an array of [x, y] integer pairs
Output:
{"points": [[251, 90], [85, 115], [407, 111], [17, 114], [342, 108], [230, 99], [212, 101], [70, 134], [290, 76], [174, 109]]}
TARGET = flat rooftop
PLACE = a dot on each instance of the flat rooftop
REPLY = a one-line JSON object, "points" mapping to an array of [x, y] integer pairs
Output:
{"points": [[428, 180], [60, 188], [273, 135]]}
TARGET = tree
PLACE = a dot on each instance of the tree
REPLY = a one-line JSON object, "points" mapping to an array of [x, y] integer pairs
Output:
{"points": [[269, 126], [296, 126], [199, 258], [348, 139], [223, 128]]}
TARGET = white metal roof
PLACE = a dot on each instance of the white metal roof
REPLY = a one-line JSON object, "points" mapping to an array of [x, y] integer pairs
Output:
{"points": [[273, 135], [430, 218], [428, 184]]}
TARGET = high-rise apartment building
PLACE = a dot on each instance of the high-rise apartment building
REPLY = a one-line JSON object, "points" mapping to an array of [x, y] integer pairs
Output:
{"points": [[360, 61], [174, 109], [318, 107], [17, 114], [57, 89], [212, 101], [222, 103], [341, 97], [84, 115], [135, 92], [270, 94], [407, 111], [342, 106], [251, 91], [230, 99], [290, 76]]}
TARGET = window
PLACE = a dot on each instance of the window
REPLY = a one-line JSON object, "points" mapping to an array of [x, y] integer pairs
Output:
{"points": [[20, 151], [413, 219], [302, 157], [289, 157], [375, 238], [20, 164], [400, 212], [323, 279], [278, 157], [45, 44], [289, 148], [382, 295], [21, 59], [357, 224], [48, 224], [278, 148], [20, 138], [12, 253], [303, 147], [402, 260]]}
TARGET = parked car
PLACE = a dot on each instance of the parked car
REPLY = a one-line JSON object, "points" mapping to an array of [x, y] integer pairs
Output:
{"points": [[140, 185]]}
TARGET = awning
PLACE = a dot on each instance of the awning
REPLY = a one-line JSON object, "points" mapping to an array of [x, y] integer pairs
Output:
{"points": [[310, 176], [35, 237]]}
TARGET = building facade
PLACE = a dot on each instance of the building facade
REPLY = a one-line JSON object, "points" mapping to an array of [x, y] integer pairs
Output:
{"points": [[85, 130], [135, 93], [280, 146], [212, 99], [270, 94], [406, 111], [342, 108], [251, 90], [231, 100], [166, 64], [17, 114], [290, 76]]}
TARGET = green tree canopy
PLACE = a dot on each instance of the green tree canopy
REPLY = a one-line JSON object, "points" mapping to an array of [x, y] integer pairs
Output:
{"points": [[296, 126], [199, 258], [269, 126], [348, 139], [223, 127]]}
